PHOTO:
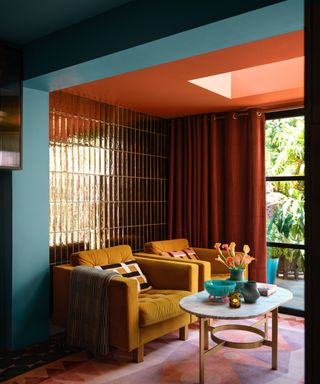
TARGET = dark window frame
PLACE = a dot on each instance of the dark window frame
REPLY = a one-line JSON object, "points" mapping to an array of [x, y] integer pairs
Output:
{"points": [[282, 115]]}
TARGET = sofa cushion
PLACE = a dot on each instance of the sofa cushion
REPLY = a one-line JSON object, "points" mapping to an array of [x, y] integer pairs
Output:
{"points": [[131, 270], [158, 247], [188, 254], [158, 305], [104, 256]]}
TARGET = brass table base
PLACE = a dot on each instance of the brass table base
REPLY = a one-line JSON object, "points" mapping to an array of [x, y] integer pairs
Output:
{"points": [[205, 328]]}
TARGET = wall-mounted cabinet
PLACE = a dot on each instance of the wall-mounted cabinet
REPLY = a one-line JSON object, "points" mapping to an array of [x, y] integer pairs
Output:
{"points": [[10, 108]]}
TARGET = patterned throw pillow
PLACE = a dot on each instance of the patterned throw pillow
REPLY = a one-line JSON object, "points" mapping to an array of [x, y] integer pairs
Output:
{"points": [[189, 254], [131, 270]]}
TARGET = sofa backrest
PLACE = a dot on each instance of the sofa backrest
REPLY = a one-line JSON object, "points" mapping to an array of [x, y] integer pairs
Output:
{"points": [[157, 247], [104, 256]]}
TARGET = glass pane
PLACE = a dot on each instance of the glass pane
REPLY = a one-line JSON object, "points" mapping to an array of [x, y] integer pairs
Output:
{"points": [[290, 273], [285, 211], [285, 146]]}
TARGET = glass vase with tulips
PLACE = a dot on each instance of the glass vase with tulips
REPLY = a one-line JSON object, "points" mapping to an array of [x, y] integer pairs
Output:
{"points": [[235, 261]]}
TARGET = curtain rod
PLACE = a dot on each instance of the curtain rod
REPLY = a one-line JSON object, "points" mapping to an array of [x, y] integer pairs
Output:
{"points": [[281, 109], [221, 115], [235, 115]]}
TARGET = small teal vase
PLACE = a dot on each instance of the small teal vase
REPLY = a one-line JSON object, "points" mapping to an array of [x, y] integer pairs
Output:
{"points": [[236, 274]]}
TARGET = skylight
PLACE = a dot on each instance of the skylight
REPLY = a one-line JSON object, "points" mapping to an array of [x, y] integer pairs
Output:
{"points": [[267, 78]]}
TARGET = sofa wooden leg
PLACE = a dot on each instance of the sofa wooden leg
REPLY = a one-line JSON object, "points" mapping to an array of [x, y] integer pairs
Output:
{"points": [[137, 354], [183, 333]]}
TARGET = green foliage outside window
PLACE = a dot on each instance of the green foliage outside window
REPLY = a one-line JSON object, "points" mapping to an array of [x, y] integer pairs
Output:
{"points": [[285, 199], [285, 146]]}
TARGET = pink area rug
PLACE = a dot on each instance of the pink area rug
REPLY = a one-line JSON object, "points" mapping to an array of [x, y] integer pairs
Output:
{"points": [[169, 360]]}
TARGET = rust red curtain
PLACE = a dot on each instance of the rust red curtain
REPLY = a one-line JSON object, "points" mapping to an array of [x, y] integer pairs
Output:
{"points": [[217, 183]]}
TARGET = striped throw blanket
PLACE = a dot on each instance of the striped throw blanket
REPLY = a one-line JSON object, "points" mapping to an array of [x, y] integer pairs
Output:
{"points": [[87, 325]]}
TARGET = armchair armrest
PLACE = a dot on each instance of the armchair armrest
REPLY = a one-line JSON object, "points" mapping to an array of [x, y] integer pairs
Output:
{"points": [[204, 267], [167, 274], [123, 313], [217, 267], [123, 307]]}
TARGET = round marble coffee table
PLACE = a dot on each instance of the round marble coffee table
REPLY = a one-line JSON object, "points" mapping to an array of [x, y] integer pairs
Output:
{"points": [[205, 309]]}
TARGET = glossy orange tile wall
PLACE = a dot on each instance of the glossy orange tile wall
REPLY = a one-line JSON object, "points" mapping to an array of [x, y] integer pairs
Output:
{"points": [[108, 176]]}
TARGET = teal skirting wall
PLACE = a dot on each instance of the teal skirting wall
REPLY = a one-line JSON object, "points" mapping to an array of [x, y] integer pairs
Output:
{"points": [[30, 232]]}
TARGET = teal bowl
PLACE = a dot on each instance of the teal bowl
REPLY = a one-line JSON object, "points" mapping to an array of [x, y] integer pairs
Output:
{"points": [[219, 287]]}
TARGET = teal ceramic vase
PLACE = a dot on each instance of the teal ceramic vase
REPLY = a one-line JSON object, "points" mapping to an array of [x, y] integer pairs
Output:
{"points": [[250, 292], [236, 274], [272, 269]]}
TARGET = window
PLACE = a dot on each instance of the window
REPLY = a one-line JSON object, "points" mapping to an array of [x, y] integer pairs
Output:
{"points": [[285, 196]]}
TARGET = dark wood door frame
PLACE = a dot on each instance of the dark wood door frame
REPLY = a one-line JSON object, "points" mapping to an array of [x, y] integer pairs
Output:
{"points": [[312, 189]]}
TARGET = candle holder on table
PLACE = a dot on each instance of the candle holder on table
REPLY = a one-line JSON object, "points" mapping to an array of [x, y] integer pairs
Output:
{"points": [[235, 300]]}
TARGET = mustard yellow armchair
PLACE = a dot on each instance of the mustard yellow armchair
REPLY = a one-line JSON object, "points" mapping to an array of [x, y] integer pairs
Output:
{"points": [[134, 319], [208, 266]]}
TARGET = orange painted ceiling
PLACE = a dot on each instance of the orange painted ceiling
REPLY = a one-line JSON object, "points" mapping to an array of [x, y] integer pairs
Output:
{"points": [[165, 90]]}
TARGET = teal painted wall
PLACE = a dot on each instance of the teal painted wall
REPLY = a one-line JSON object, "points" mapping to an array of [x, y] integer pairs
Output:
{"points": [[30, 232]]}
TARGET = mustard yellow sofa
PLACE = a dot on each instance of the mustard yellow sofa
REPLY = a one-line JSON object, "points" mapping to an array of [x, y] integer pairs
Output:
{"points": [[134, 319], [208, 266]]}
